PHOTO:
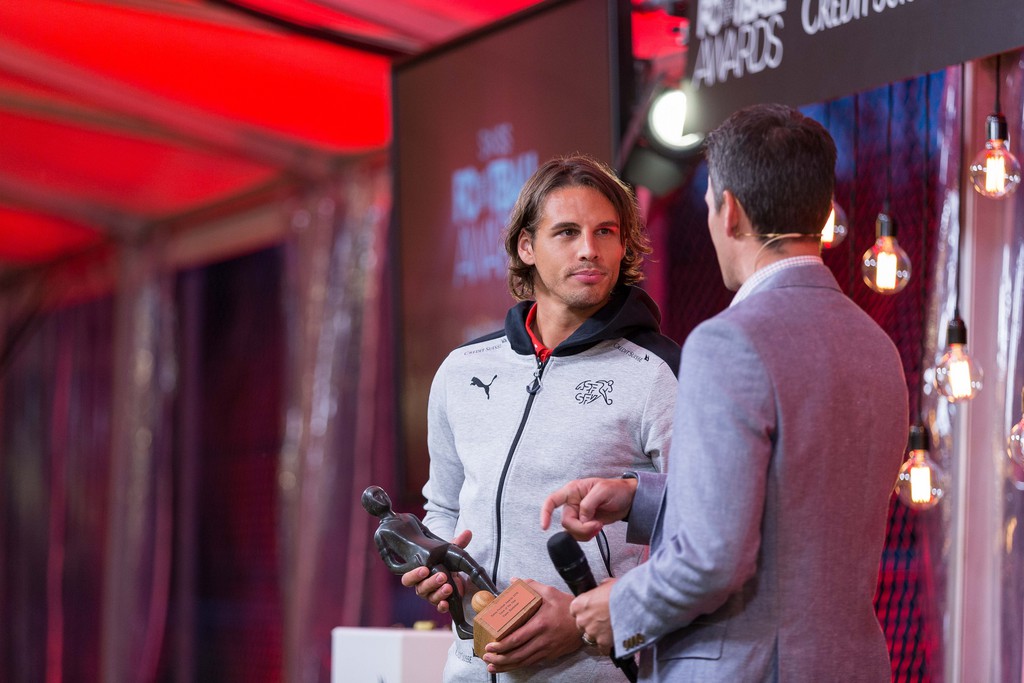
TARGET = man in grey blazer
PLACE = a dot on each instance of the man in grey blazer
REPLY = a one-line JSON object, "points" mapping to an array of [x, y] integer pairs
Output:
{"points": [[789, 429]]}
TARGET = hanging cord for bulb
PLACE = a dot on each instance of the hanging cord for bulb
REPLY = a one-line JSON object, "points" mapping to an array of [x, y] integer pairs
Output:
{"points": [[828, 128], [925, 223], [888, 157], [961, 210], [998, 109], [851, 213]]}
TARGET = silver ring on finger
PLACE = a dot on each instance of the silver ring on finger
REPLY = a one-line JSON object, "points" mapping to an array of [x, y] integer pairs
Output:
{"points": [[588, 640]]}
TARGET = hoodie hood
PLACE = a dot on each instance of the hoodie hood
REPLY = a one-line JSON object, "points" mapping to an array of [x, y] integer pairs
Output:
{"points": [[630, 313]]}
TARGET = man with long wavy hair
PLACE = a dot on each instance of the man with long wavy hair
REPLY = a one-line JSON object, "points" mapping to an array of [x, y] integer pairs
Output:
{"points": [[579, 382]]}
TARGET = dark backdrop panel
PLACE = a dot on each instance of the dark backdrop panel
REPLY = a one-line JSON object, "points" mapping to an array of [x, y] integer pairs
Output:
{"points": [[239, 613], [473, 119], [805, 51], [55, 443]]}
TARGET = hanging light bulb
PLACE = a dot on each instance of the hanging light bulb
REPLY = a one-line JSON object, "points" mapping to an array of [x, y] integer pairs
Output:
{"points": [[921, 483], [995, 172], [836, 227], [885, 266], [958, 376], [1015, 444]]}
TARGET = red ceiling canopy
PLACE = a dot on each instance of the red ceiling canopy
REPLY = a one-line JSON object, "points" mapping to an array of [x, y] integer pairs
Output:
{"points": [[117, 114]]}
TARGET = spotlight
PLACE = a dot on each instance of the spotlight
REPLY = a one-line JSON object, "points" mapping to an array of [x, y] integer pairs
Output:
{"points": [[666, 121], [662, 153]]}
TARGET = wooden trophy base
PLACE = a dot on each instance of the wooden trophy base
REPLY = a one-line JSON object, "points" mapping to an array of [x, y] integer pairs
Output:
{"points": [[503, 614]]}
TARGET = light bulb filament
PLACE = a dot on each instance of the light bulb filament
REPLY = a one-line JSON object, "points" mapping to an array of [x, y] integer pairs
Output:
{"points": [[828, 233], [960, 378], [920, 484], [885, 271], [995, 174]]}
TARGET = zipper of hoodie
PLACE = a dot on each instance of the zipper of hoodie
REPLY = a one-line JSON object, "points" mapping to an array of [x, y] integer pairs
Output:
{"points": [[532, 389]]}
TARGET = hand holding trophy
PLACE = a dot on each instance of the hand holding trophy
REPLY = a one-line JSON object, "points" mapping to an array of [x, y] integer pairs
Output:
{"points": [[405, 543]]}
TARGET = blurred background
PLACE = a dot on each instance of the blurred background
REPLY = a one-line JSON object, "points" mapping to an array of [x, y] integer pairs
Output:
{"points": [[237, 239]]}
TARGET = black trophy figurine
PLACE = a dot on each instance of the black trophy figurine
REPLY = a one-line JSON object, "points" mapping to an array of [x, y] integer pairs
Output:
{"points": [[405, 543]]}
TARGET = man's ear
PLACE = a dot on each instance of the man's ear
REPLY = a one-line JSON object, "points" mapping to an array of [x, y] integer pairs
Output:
{"points": [[731, 212], [526, 248]]}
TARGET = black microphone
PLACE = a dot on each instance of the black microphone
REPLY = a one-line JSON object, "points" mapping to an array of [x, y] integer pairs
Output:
{"points": [[571, 564]]}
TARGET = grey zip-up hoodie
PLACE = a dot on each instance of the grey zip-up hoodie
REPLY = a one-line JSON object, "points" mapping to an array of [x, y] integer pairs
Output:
{"points": [[504, 432]]}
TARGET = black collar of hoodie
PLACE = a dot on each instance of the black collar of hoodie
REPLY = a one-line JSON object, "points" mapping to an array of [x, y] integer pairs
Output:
{"points": [[629, 310]]}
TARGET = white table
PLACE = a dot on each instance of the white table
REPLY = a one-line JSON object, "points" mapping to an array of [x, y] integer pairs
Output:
{"points": [[388, 655]]}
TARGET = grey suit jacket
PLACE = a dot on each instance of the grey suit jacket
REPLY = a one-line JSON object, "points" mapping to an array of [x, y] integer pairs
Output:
{"points": [[790, 426]]}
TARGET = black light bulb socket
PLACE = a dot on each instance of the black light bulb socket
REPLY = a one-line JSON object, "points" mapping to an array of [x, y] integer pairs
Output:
{"points": [[956, 333], [997, 128], [919, 439], [885, 226]]}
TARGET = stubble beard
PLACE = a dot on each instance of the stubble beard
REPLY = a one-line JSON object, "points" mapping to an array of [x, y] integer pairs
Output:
{"points": [[579, 297]]}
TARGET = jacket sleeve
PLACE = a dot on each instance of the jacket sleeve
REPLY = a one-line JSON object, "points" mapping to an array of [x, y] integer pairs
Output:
{"points": [[646, 505], [656, 434], [656, 428], [446, 474], [706, 545]]}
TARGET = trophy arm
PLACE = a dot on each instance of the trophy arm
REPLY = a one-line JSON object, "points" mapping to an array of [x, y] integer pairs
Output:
{"points": [[386, 541], [458, 558], [455, 607]]}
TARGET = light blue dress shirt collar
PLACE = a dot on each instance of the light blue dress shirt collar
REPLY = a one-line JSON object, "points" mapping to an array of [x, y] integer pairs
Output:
{"points": [[762, 274]]}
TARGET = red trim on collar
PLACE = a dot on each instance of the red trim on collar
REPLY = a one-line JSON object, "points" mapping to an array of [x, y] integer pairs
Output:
{"points": [[538, 346]]}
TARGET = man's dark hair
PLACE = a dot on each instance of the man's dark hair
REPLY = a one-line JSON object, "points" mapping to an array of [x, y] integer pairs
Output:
{"points": [[574, 171], [778, 163]]}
